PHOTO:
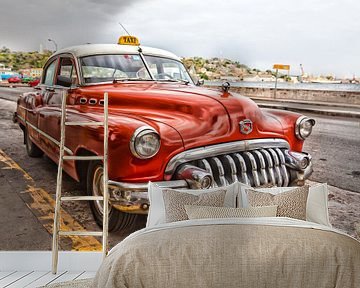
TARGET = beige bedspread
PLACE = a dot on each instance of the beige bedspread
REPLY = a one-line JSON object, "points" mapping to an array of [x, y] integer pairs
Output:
{"points": [[233, 254]]}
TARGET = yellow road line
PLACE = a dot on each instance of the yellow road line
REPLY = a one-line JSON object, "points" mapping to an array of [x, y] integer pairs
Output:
{"points": [[13, 165], [43, 207]]}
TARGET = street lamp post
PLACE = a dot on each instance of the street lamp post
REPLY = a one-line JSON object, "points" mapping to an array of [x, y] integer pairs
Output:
{"points": [[56, 47]]}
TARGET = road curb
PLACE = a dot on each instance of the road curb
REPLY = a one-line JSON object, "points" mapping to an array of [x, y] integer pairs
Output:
{"points": [[315, 103]]}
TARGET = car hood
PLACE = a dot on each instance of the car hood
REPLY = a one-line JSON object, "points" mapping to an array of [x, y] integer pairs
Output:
{"points": [[201, 116]]}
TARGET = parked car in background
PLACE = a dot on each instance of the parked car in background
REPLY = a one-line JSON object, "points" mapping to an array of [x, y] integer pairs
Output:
{"points": [[34, 82], [14, 79], [163, 128], [26, 79]]}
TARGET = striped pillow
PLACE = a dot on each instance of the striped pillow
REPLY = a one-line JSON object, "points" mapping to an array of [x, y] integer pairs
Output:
{"points": [[175, 201], [291, 204]]}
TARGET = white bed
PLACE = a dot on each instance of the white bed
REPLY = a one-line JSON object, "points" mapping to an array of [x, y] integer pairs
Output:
{"points": [[234, 252]]}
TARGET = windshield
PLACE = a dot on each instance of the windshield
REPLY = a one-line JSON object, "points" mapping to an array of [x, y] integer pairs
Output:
{"points": [[167, 69], [105, 68]]}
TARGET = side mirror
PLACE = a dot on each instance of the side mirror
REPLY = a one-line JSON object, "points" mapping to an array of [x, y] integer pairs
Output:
{"points": [[64, 81], [200, 82]]}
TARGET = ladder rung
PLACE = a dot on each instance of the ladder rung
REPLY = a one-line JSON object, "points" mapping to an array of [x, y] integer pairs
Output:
{"points": [[80, 233], [79, 123], [81, 198], [83, 157]]}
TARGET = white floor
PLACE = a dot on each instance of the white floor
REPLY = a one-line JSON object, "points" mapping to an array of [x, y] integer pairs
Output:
{"points": [[33, 268]]}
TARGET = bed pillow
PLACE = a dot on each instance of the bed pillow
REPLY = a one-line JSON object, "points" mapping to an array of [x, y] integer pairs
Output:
{"points": [[175, 202], [202, 212], [156, 213], [290, 204], [316, 206]]}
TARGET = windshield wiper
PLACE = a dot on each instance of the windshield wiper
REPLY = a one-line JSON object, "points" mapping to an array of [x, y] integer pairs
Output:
{"points": [[186, 82], [116, 80]]}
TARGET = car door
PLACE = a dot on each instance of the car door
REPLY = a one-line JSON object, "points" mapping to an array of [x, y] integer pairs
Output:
{"points": [[47, 115], [51, 116]]}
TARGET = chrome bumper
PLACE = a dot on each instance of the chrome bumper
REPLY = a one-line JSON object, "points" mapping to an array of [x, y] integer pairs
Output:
{"points": [[253, 162], [133, 197]]}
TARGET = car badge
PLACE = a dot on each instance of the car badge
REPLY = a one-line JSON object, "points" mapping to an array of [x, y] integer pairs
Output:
{"points": [[246, 126]]}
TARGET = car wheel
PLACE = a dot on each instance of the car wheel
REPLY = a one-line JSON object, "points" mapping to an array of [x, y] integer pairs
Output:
{"points": [[31, 149], [118, 220]]}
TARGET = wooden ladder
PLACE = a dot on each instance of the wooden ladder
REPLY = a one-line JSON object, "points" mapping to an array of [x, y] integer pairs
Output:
{"points": [[59, 198]]}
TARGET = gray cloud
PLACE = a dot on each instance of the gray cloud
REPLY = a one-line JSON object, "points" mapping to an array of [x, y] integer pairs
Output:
{"points": [[24, 25], [320, 34]]}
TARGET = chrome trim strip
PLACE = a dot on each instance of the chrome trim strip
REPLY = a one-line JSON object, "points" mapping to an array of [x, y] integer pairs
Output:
{"points": [[45, 135], [124, 186], [254, 168], [283, 167], [233, 169], [277, 166], [270, 165], [223, 148], [21, 118], [262, 166], [245, 178]]}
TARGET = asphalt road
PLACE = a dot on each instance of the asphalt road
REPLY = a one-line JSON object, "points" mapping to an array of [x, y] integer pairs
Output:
{"points": [[12, 93], [334, 145], [335, 148]]}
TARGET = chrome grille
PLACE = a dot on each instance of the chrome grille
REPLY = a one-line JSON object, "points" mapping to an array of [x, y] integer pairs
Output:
{"points": [[254, 167]]}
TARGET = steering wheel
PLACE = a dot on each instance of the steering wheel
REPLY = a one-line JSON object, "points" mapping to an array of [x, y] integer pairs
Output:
{"points": [[163, 75]]}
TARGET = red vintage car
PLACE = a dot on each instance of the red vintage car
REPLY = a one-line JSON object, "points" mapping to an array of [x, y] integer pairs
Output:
{"points": [[14, 79], [163, 128], [34, 82]]}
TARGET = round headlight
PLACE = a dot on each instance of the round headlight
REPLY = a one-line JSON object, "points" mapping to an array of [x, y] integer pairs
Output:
{"points": [[145, 142], [303, 127]]}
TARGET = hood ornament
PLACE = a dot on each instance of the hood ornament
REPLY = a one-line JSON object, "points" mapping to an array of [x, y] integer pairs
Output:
{"points": [[225, 86], [246, 126]]}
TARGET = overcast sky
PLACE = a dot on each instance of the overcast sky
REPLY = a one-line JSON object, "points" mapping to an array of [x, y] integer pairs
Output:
{"points": [[323, 35]]}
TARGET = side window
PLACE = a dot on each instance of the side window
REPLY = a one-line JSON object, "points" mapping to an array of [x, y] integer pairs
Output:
{"points": [[66, 73], [49, 74]]}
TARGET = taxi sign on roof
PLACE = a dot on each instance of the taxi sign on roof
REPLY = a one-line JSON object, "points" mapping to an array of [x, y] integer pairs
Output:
{"points": [[129, 40]]}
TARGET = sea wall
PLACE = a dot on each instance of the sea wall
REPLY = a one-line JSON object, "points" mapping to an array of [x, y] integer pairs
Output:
{"points": [[340, 97]]}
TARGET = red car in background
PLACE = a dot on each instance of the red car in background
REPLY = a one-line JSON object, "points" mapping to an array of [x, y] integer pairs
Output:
{"points": [[14, 79], [34, 82]]}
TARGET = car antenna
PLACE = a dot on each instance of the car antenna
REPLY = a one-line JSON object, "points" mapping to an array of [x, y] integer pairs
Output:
{"points": [[127, 32], [122, 26]]}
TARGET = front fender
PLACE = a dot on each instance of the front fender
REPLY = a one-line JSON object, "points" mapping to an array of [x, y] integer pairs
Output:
{"points": [[287, 120], [124, 166]]}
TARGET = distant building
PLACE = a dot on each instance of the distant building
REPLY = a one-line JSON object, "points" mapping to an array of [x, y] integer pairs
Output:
{"points": [[5, 72], [294, 79], [259, 78], [3, 69], [33, 72]]}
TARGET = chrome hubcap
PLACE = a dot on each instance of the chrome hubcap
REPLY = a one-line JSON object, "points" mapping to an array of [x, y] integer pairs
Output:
{"points": [[98, 189]]}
